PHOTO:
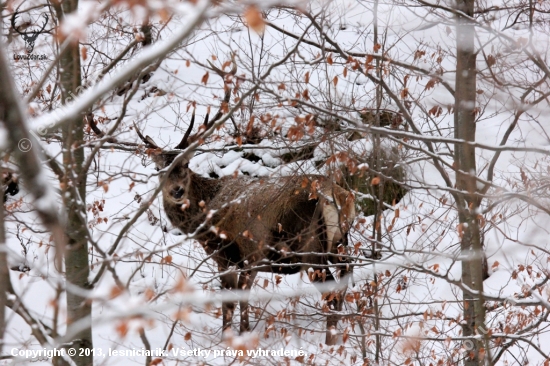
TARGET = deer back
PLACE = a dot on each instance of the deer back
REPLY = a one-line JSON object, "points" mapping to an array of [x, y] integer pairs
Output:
{"points": [[260, 216]]}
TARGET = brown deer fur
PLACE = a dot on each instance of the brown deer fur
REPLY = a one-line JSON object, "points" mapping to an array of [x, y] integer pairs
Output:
{"points": [[264, 219], [279, 225]]}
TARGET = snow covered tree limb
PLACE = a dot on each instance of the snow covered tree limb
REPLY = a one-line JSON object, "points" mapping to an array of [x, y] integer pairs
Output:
{"points": [[14, 117], [57, 117]]}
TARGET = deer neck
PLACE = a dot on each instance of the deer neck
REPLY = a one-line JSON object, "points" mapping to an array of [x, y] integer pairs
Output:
{"points": [[202, 189]]}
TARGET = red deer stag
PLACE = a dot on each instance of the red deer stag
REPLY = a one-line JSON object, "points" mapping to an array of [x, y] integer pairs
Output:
{"points": [[279, 224]]}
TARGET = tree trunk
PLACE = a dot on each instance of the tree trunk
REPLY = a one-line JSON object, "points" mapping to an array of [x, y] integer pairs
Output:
{"points": [[467, 201], [73, 187], [4, 274]]}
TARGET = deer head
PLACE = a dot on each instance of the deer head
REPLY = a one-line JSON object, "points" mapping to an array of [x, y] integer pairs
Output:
{"points": [[176, 188]]}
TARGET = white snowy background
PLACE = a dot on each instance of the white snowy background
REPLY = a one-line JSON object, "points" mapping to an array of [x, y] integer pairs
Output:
{"points": [[153, 257]]}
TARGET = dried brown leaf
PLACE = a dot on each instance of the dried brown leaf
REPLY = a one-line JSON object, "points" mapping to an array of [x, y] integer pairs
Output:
{"points": [[254, 19], [204, 79]]}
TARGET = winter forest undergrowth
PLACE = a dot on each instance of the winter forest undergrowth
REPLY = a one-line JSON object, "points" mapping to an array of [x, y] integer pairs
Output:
{"points": [[360, 182]]}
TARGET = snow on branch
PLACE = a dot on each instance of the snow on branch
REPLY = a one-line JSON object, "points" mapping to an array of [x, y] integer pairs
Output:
{"points": [[30, 159], [62, 115]]}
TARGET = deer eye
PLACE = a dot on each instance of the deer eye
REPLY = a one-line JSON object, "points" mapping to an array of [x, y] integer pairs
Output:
{"points": [[177, 192]]}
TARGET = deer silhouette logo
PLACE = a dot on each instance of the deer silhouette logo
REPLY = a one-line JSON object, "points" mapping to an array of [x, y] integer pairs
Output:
{"points": [[28, 36]]}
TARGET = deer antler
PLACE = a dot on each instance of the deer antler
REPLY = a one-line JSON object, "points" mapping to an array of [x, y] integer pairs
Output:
{"points": [[184, 143], [13, 17], [149, 142], [45, 22], [205, 122], [223, 73], [228, 90]]}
